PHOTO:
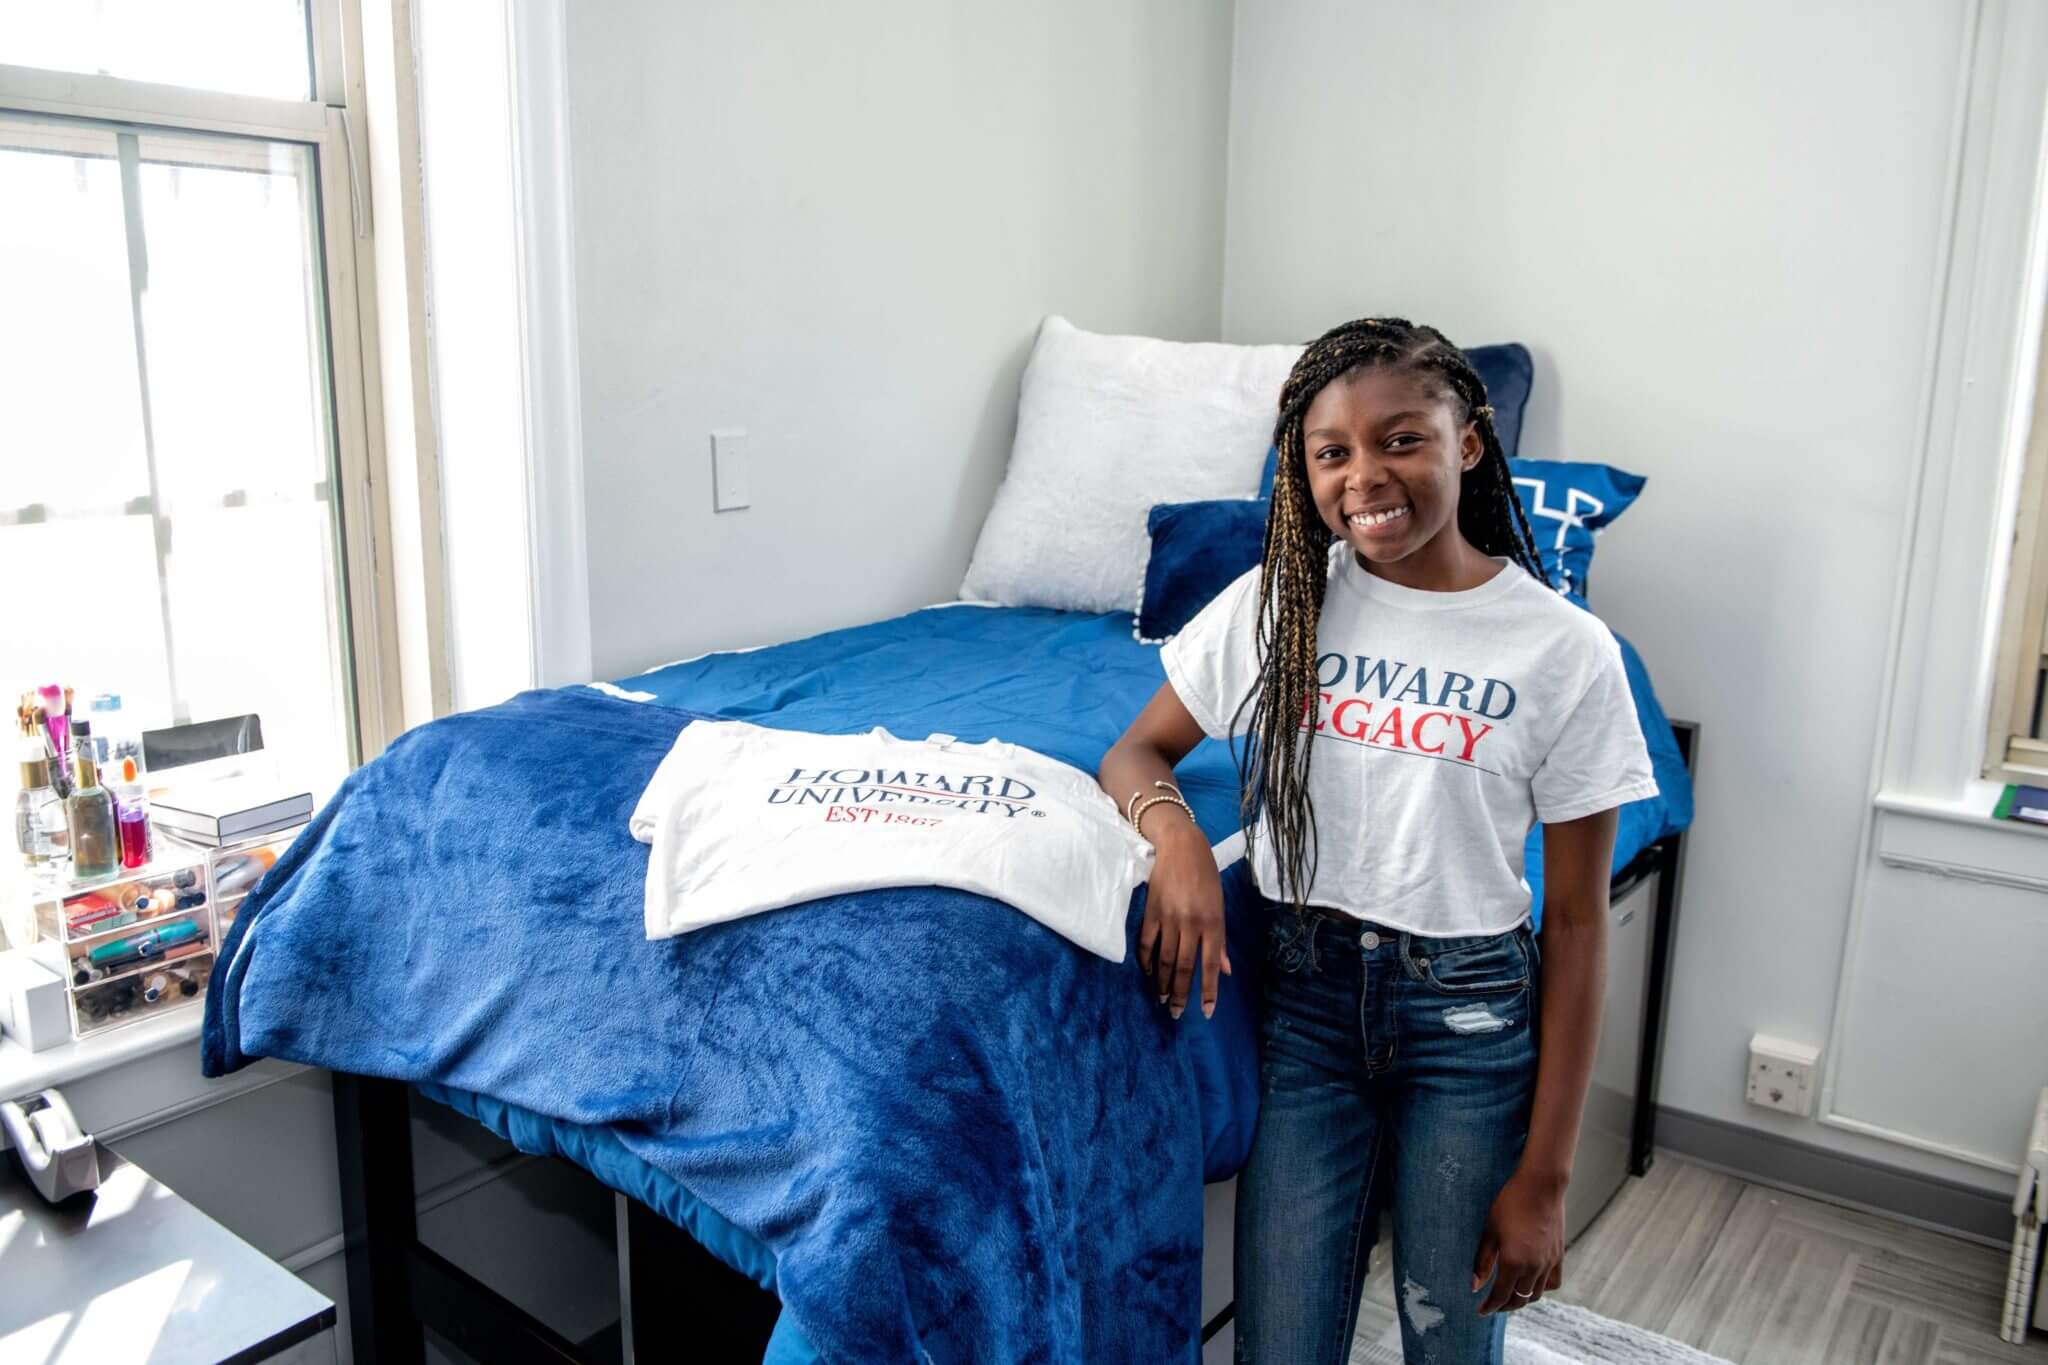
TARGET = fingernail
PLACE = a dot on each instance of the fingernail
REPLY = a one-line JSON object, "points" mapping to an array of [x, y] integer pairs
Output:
{"points": [[1162, 997], [1177, 1009], [1209, 1011]]}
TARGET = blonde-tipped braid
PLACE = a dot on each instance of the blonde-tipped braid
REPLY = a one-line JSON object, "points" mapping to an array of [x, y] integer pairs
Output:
{"points": [[1273, 760]]}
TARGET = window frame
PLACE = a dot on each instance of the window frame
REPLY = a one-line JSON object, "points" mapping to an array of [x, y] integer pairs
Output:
{"points": [[2011, 753], [330, 125]]}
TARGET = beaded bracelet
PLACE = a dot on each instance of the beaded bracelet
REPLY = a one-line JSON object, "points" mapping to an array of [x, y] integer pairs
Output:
{"points": [[1129, 817], [1172, 797]]}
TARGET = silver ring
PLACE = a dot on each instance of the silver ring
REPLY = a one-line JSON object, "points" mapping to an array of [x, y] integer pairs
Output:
{"points": [[1520, 1295]]}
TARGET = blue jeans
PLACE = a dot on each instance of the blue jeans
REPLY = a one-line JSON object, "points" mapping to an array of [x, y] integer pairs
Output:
{"points": [[1397, 1070]]}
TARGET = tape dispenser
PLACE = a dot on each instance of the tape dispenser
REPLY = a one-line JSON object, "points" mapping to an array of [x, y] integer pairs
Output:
{"points": [[61, 1160]]}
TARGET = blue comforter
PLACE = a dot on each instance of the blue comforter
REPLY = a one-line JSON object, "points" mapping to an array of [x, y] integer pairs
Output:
{"points": [[927, 1123]]}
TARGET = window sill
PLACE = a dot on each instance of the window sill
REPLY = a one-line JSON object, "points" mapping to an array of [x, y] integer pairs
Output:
{"points": [[133, 1078], [1961, 839], [22, 1071], [1974, 807]]}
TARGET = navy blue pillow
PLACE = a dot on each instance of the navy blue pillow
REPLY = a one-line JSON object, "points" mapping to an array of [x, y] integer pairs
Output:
{"points": [[1198, 550], [1507, 371], [1569, 504]]}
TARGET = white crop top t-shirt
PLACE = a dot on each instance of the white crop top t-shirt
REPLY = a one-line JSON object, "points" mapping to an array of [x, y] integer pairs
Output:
{"points": [[1447, 723]]}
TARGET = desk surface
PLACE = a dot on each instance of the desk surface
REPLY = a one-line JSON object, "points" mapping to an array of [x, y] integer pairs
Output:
{"points": [[137, 1274]]}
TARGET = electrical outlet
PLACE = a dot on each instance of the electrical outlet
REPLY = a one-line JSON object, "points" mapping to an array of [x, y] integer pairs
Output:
{"points": [[1781, 1075]]}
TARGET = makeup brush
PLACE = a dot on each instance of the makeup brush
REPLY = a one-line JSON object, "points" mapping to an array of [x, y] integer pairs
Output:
{"points": [[56, 725], [57, 720]]}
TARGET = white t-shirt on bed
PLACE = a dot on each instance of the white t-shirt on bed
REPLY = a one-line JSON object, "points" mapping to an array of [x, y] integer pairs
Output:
{"points": [[1447, 724], [743, 818]]}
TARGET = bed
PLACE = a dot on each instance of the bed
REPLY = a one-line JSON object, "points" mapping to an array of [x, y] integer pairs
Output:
{"points": [[520, 991]]}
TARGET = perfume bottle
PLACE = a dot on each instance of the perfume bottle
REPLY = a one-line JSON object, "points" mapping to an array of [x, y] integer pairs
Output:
{"points": [[95, 842], [32, 814]]}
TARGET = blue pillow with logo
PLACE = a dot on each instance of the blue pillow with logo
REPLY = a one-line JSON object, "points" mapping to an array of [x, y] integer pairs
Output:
{"points": [[1506, 370], [1198, 550], [1569, 504]]}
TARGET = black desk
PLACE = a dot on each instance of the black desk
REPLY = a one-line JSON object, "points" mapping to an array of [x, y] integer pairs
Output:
{"points": [[137, 1274]]}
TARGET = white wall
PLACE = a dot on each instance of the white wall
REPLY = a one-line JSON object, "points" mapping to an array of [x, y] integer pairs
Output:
{"points": [[836, 227], [1718, 228]]}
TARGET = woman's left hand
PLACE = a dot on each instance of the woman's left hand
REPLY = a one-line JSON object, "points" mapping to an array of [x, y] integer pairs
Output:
{"points": [[1523, 1245]]}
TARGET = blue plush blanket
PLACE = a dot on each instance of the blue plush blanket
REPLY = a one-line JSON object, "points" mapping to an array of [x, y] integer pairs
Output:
{"points": [[954, 1133], [928, 1123]]}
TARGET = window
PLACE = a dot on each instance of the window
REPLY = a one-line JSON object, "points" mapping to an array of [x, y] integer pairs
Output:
{"points": [[185, 510], [2018, 748], [239, 47]]}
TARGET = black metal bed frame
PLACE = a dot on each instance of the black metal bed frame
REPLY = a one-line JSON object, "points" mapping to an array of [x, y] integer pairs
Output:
{"points": [[399, 1289]]}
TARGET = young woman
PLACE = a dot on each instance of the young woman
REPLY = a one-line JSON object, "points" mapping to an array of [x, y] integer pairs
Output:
{"points": [[1406, 697]]}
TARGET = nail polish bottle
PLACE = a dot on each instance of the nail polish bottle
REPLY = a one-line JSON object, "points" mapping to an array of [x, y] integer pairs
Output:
{"points": [[131, 818]]}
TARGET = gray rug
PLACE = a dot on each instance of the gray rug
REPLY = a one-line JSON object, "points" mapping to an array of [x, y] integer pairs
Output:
{"points": [[1552, 1333]]}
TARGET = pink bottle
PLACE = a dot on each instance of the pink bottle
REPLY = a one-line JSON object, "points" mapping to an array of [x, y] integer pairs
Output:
{"points": [[131, 819]]}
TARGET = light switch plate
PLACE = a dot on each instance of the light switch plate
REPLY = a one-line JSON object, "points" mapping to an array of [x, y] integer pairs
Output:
{"points": [[729, 471]]}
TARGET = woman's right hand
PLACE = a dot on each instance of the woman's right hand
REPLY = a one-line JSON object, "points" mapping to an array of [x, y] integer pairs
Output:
{"points": [[1184, 908], [1183, 915]]}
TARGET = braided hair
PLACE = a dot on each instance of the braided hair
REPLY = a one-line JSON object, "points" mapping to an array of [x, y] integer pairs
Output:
{"points": [[1273, 764]]}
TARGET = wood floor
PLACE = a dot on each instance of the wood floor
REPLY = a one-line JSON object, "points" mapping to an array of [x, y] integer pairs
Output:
{"points": [[1761, 1277]]}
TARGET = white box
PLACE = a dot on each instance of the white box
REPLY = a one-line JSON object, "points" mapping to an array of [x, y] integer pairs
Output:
{"points": [[32, 1003]]}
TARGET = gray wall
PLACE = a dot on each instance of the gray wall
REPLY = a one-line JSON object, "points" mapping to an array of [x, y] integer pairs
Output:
{"points": [[836, 227], [1718, 228]]}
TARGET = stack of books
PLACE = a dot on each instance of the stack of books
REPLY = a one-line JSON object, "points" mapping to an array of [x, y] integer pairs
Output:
{"points": [[229, 811]]}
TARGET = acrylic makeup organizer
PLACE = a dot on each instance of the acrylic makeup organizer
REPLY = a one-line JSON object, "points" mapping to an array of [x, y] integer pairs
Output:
{"points": [[234, 869], [132, 945]]}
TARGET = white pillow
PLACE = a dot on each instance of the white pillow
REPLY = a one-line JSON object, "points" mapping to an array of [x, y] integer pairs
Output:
{"points": [[1106, 427]]}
